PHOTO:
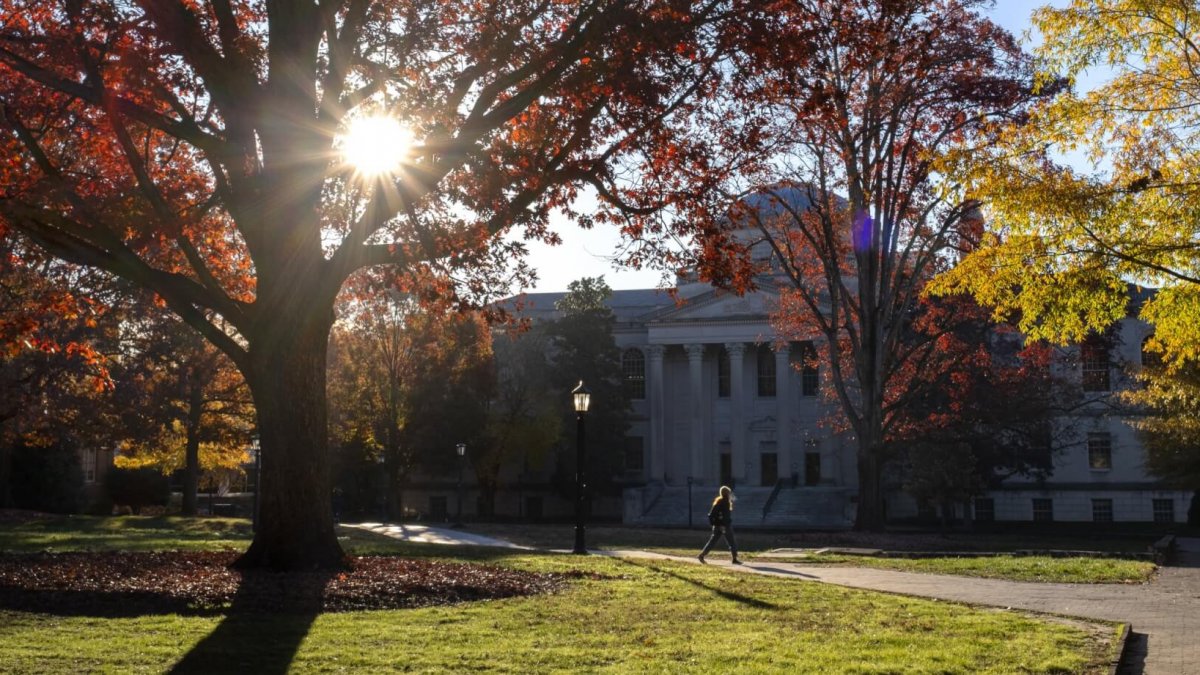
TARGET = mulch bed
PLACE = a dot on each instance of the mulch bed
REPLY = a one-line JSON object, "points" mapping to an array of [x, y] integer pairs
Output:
{"points": [[130, 584]]}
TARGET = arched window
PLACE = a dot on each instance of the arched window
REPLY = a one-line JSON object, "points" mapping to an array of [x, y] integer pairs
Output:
{"points": [[633, 368], [1095, 364], [766, 371]]}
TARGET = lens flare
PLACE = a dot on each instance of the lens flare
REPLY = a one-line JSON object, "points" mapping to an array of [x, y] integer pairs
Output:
{"points": [[376, 146]]}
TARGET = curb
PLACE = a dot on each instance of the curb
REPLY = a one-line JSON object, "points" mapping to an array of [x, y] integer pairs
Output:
{"points": [[1123, 645]]}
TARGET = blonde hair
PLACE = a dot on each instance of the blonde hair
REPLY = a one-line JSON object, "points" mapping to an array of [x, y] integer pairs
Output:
{"points": [[727, 492]]}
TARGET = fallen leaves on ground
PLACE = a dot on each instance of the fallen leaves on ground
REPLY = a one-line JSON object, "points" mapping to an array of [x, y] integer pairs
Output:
{"points": [[134, 583]]}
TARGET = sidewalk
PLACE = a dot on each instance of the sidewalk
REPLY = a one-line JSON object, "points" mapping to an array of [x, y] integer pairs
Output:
{"points": [[1165, 614], [434, 535]]}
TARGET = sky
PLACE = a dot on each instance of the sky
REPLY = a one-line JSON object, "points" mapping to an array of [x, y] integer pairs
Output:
{"points": [[587, 253]]}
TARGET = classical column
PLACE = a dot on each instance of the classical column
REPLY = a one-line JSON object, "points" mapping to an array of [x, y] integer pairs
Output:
{"points": [[783, 415], [696, 386], [658, 450], [737, 409]]}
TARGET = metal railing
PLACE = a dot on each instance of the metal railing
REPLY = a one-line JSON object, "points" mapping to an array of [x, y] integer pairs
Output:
{"points": [[771, 498]]}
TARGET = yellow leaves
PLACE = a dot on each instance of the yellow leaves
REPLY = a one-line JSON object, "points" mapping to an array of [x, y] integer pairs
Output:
{"points": [[167, 452], [1175, 314]]}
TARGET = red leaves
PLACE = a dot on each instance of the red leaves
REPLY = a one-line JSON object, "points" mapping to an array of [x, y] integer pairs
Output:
{"points": [[118, 583]]}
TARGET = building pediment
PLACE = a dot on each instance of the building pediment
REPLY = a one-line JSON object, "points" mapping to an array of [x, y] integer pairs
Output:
{"points": [[717, 305]]}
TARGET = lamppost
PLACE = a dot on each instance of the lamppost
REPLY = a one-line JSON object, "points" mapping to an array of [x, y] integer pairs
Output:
{"points": [[256, 450], [461, 450], [582, 398]]}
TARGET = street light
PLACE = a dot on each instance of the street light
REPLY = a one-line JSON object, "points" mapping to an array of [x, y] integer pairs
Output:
{"points": [[256, 450], [582, 398], [461, 450]]}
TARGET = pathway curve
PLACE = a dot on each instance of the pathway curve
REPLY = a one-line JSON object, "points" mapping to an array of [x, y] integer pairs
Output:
{"points": [[1165, 614]]}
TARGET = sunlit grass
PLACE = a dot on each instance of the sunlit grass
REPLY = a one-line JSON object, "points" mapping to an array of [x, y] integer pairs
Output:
{"points": [[641, 617], [1076, 570]]}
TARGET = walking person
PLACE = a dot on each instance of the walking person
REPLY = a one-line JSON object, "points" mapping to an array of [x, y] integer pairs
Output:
{"points": [[720, 516]]}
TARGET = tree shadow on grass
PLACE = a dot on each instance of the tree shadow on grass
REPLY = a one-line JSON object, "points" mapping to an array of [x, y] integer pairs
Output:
{"points": [[260, 631], [251, 640], [728, 595]]}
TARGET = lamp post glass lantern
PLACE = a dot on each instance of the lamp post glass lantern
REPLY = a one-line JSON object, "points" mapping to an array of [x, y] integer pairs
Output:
{"points": [[461, 451], [581, 397]]}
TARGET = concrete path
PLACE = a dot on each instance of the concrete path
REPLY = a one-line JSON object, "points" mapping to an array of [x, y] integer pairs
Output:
{"points": [[1165, 614], [434, 535]]}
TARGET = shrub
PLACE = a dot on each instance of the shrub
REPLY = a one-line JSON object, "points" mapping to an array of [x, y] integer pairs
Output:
{"points": [[46, 479], [137, 488]]}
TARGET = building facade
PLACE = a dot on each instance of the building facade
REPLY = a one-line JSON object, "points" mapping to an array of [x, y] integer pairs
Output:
{"points": [[717, 402]]}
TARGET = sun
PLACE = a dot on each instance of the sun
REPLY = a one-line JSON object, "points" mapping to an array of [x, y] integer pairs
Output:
{"points": [[376, 145]]}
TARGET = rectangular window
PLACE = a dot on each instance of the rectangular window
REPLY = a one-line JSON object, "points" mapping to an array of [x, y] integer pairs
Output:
{"points": [[1102, 510], [634, 454], [723, 374], [1043, 510], [985, 509], [633, 368], [89, 466], [1099, 451], [1164, 510], [766, 372], [810, 383], [1094, 361]]}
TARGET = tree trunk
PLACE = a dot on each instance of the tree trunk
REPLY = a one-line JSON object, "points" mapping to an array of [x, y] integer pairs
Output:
{"points": [[870, 493], [287, 380], [5, 475], [191, 469]]}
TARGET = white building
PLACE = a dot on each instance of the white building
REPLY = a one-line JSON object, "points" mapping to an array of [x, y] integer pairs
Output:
{"points": [[714, 402]]}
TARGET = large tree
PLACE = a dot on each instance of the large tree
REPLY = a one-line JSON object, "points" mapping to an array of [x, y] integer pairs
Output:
{"points": [[193, 148], [855, 105], [1067, 238]]}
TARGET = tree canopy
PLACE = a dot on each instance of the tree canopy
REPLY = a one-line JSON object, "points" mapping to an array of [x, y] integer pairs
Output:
{"points": [[852, 106], [193, 148], [1066, 240]]}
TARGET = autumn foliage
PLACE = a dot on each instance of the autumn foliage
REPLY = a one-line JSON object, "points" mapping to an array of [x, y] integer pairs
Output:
{"points": [[191, 148]]}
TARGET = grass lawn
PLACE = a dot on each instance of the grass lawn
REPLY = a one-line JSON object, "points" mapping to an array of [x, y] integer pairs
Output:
{"points": [[1012, 568], [683, 542], [631, 616]]}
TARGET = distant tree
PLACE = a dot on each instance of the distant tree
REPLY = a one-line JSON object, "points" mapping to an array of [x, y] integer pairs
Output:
{"points": [[407, 382], [183, 404], [583, 348], [525, 419], [984, 405]]}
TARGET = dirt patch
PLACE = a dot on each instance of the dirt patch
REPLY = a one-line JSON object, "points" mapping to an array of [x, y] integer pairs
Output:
{"points": [[129, 583]]}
